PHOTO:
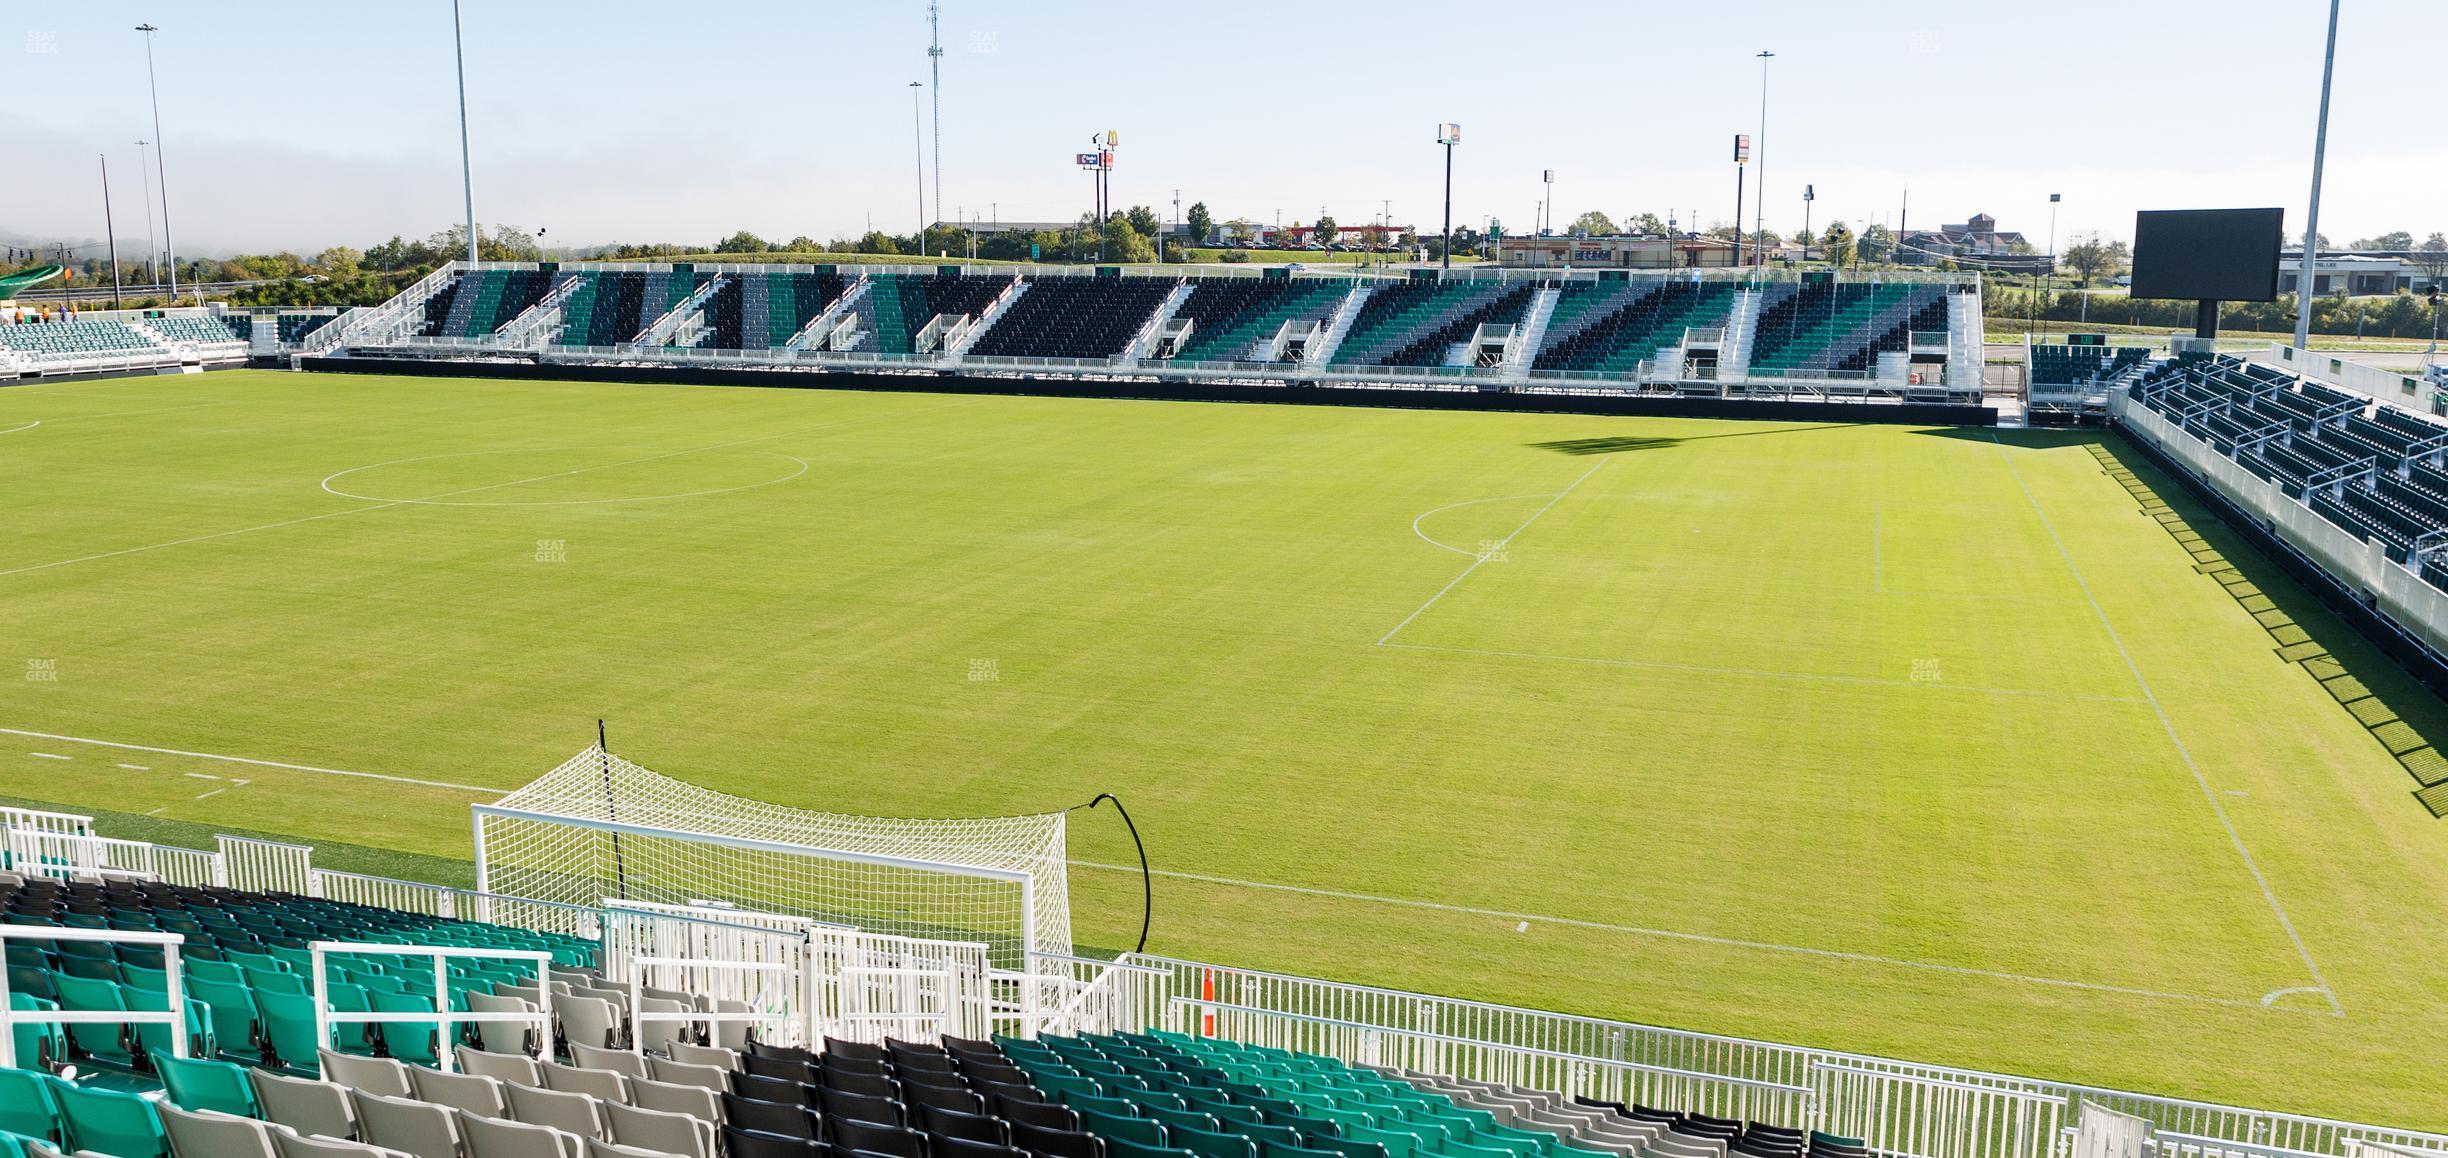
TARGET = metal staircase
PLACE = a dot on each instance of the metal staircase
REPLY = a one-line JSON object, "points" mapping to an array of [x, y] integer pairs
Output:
{"points": [[691, 309], [1734, 354], [958, 348], [816, 335], [536, 326], [1338, 327], [1143, 344], [1533, 330]]}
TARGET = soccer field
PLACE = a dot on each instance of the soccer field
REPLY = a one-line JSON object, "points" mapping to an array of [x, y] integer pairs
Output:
{"points": [[1922, 742]]}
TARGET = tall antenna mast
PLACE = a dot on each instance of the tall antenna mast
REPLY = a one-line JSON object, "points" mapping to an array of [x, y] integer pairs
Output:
{"points": [[935, 89]]}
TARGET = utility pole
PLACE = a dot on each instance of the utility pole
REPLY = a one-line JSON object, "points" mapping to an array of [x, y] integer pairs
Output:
{"points": [[160, 170]]}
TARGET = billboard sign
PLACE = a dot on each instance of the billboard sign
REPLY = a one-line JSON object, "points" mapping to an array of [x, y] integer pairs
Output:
{"points": [[2228, 255], [1742, 148]]}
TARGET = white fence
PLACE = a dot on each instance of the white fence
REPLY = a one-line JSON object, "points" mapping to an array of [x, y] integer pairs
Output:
{"points": [[870, 986]]}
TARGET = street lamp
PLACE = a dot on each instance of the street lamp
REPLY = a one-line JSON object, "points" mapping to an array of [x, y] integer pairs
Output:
{"points": [[1759, 233], [1449, 135], [161, 170]]}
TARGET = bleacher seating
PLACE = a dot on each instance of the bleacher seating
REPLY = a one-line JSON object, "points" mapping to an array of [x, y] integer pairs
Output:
{"points": [[1074, 317], [1415, 323], [1841, 326], [2374, 470], [761, 311], [2054, 365], [197, 329], [478, 302], [897, 306], [69, 338], [1229, 316], [1613, 332], [610, 307], [295, 328]]}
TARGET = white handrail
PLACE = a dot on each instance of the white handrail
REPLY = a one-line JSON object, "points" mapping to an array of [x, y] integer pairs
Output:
{"points": [[175, 996], [443, 1017]]}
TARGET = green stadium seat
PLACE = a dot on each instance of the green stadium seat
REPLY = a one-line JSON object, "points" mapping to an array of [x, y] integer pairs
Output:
{"points": [[110, 1122], [1144, 1131], [204, 1084], [26, 1107]]}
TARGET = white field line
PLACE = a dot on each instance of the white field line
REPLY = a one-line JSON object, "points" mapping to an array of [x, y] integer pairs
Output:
{"points": [[1415, 523], [1757, 673], [50, 756], [2209, 794], [1478, 558], [1674, 935], [435, 502], [452, 494], [253, 762], [27, 426]]}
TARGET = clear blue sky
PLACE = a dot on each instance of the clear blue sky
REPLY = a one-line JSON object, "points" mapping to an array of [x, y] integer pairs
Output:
{"points": [[301, 124]]}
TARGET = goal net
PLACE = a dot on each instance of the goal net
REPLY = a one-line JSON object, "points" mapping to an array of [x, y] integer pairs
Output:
{"points": [[600, 828]]}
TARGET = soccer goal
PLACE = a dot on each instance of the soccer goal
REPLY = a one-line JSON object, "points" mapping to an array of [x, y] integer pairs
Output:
{"points": [[600, 828]]}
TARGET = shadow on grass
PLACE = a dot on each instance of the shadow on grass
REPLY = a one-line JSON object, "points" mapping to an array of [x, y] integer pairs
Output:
{"points": [[2403, 715], [1621, 443]]}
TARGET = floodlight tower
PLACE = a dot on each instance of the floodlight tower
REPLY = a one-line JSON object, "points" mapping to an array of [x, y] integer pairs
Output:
{"points": [[162, 171], [467, 168], [2320, 152], [935, 90], [145, 177], [1448, 135], [1759, 232]]}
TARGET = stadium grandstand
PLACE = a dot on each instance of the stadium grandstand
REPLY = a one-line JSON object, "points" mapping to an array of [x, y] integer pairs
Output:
{"points": [[77, 343], [1730, 333]]}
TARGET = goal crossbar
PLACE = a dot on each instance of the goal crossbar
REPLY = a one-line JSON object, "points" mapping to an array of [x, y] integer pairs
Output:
{"points": [[600, 828]]}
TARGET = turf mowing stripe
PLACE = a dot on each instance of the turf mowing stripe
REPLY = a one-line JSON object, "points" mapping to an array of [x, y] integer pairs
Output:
{"points": [[1483, 557], [2208, 794], [1756, 673], [388, 504], [1674, 935], [250, 761]]}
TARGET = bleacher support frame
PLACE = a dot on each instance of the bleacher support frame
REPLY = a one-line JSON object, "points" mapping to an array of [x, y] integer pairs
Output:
{"points": [[443, 1017], [176, 994]]}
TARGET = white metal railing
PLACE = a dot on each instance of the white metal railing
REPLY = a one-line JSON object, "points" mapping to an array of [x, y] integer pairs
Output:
{"points": [[266, 866], [1630, 1082], [1496, 1030], [1935, 1117], [1074, 995], [442, 1016], [694, 970], [175, 1016]]}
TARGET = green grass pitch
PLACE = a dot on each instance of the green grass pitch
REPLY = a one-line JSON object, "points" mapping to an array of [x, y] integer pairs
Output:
{"points": [[1919, 742]]}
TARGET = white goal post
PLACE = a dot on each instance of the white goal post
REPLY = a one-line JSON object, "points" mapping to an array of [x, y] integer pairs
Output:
{"points": [[600, 828]]}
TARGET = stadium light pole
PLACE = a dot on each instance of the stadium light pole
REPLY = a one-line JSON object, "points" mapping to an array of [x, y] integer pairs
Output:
{"points": [[467, 168], [2320, 153], [144, 173], [1448, 135], [161, 170], [111, 232], [1759, 148], [918, 139]]}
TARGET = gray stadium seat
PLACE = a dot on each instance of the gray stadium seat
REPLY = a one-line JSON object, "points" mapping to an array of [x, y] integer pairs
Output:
{"points": [[659, 1131], [416, 1128], [472, 1093], [305, 1105], [206, 1134]]}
